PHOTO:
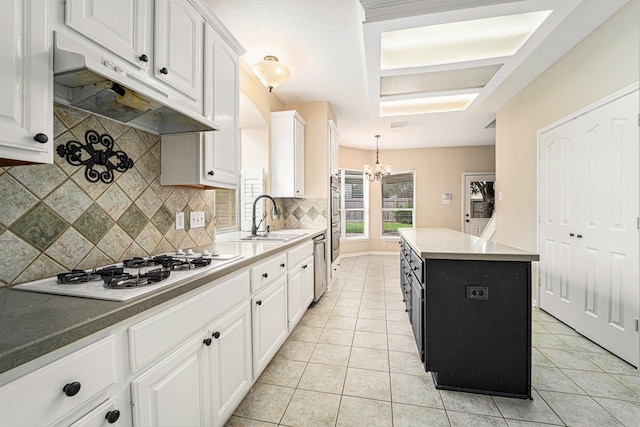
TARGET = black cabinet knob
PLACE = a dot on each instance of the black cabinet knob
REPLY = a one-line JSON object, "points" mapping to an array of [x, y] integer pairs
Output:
{"points": [[211, 173], [282, 265], [112, 416], [41, 138], [164, 70], [406, 310], [259, 302], [571, 234], [216, 335], [466, 220], [305, 266], [143, 58], [265, 275], [71, 389], [207, 342], [579, 236]]}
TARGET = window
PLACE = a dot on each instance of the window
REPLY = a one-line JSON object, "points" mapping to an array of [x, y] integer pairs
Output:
{"points": [[225, 210], [354, 205], [398, 195]]}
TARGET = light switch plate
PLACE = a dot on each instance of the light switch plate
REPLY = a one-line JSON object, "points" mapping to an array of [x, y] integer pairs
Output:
{"points": [[179, 220], [196, 219]]}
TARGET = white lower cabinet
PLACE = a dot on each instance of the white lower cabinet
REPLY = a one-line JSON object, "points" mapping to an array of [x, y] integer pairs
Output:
{"points": [[269, 321], [230, 361], [110, 413], [299, 290], [175, 392], [73, 384]]}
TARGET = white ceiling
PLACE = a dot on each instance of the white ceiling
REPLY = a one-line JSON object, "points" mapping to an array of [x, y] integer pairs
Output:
{"points": [[332, 48]]}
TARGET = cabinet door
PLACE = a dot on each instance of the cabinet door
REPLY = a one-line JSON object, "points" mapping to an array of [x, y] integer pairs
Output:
{"points": [[175, 392], [417, 319], [122, 26], [178, 46], [230, 362], [308, 272], [221, 148], [299, 159], [112, 412], [295, 296], [269, 321], [26, 106]]}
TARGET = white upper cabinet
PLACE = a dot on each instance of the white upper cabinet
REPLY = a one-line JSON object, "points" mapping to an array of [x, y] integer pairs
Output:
{"points": [[221, 101], [178, 46], [162, 39], [122, 26], [26, 105], [287, 154]]}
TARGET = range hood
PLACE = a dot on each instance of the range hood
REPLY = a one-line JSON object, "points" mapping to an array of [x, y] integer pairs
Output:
{"points": [[85, 79]]}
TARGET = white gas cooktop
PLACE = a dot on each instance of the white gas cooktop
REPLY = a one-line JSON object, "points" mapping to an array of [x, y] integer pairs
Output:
{"points": [[96, 290]]}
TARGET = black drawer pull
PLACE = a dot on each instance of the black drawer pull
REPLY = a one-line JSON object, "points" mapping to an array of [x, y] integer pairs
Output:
{"points": [[72, 389], [259, 302], [143, 58], [282, 265], [41, 138], [112, 416], [265, 275], [207, 342], [216, 334]]}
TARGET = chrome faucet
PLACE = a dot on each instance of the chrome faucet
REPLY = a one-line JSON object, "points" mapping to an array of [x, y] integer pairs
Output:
{"points": [[254, 227]]}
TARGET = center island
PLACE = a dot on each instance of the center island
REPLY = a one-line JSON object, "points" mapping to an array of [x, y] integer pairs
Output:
{"points": [[469, 303]]}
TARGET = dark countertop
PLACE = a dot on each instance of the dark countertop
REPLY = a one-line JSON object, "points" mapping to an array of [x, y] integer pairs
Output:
{"points": [[34, 324], [444, 243]]}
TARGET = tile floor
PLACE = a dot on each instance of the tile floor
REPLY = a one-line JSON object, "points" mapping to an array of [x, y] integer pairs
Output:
{"points": [[352, 361]]}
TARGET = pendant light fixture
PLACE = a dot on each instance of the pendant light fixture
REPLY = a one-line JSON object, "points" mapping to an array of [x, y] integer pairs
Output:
{"points": [[378, 171], [270, 72]]}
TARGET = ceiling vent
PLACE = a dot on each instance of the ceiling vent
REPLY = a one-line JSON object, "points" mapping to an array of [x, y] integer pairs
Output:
{"points": [[399, 124]]}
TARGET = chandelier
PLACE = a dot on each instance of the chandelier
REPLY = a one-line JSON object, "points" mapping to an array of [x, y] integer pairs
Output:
{"points": [[270, 72], [378, 171]]}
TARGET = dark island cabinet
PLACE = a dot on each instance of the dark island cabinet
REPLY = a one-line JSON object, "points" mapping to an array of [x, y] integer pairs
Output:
{"points": [[471, 317]]}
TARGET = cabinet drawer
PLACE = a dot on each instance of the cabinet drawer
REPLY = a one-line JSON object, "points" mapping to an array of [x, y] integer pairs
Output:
{"points": [[417, 265], [265, 272], [299, 253], [160, 333], [40, 398]]}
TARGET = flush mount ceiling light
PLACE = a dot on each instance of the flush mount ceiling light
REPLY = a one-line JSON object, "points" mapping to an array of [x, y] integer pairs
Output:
{"points": [[434, 104], [270, 72], [462, 41], [378, 171]]}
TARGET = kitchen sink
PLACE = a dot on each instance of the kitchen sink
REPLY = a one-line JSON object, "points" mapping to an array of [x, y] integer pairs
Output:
{"points": [[273, 237]]}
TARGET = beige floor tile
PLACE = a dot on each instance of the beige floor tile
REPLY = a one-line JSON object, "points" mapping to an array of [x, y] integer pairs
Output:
{"points": [[553, 379], [406, 343], [283, 372], [312, 409], [367, 384], [355, 411], [412, 416], [338, 322], [415, 390], [330, 354], [568, 359], [469, 402], [347, 302], [535, 410], [580, 343], [631, 381], [371, 313], [406, 363], [576, 410], [370, 340], [325, 378], [345, 311], [265, 402], [336, 336], [539, 359], [296, 350], [601, 384], [235, 421], [611, 364], [548, 341], [371, 325], [369, 358], [305, 333], [461, 419], [520, 423], [314, 320], [399, 328], [628, 413]]}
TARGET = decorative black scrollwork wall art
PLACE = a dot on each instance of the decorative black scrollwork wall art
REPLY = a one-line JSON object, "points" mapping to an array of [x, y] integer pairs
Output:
{"points": [[97, 155]]}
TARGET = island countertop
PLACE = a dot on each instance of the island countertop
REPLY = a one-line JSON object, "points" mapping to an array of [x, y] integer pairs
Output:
{"points": [[444, 243]]}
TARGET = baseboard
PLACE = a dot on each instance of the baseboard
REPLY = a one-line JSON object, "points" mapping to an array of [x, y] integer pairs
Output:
{"points": [[357, 254], [534, 302]]}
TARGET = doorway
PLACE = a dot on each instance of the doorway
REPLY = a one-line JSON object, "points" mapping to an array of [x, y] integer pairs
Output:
{"points": [[479, 201]]}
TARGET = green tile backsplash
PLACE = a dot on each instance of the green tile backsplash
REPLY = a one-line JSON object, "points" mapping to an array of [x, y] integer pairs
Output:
{"points": [[52, 219]]}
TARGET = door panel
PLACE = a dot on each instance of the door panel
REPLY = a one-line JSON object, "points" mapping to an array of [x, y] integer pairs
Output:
{"points": [[479, 202], [591, 283]]}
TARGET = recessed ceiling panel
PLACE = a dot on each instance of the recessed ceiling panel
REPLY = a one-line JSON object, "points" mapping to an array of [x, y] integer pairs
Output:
{"points": [[453, 42], [464, 78], [436, 104]]}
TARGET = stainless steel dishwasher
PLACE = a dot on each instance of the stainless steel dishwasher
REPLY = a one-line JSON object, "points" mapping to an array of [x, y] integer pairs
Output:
{"points": [[320, 266]]}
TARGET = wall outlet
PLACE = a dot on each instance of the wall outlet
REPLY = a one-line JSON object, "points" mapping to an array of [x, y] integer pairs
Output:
{"points": [[197, 219], [179, 220]]}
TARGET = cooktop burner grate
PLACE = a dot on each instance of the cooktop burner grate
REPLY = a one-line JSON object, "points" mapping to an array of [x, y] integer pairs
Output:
{"points": [[79, 276], [126, 280]]}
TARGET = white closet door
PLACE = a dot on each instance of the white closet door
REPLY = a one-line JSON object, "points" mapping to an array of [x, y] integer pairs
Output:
{"points": [[589, 238]]}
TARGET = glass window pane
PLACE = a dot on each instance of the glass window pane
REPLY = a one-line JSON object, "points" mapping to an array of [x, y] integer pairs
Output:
{"points": [[353, 204], [397, 203], [482, 199]]}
